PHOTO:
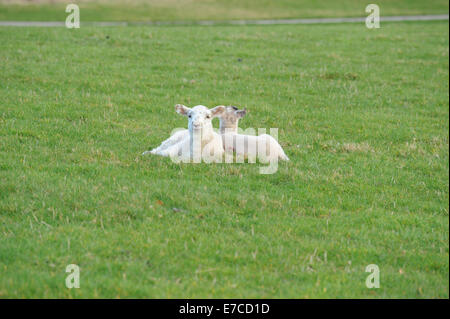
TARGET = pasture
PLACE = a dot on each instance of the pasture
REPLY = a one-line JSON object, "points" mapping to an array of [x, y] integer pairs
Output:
{"points": [[362, 114]]}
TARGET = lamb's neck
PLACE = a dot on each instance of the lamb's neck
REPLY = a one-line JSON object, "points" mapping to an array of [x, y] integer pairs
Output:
{"points": [[206, 137], [227, 127]]}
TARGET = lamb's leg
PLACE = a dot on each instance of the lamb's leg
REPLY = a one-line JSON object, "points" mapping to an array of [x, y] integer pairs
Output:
{"points": [[274, 149], [228, 145], [170, 151], [174, 139], [213, 151], [179, 152]]}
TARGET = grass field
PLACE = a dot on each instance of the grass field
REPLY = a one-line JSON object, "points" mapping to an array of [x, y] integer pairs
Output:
{"points": [[188, 10], [363, 115]]}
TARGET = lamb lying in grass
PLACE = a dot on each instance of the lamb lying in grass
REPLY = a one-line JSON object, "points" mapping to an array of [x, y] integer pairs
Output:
{"points": [[264, 147], [199, 142], [228, 120]]}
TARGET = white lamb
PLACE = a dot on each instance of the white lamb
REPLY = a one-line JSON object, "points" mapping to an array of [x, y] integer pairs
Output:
{"points": [[264, 147], [201, 142], [228, 120]]}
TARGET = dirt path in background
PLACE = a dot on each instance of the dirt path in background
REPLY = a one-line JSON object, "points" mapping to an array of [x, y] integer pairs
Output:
{"points": [[227, 22]]}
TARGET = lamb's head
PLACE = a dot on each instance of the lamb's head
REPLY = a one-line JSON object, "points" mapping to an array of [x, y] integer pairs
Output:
{"points": [[229, 119], [200, 118]]}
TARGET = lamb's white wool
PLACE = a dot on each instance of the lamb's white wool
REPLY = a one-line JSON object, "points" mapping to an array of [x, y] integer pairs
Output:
{"points": [[172, 140], [201, 142], [264, 147]]}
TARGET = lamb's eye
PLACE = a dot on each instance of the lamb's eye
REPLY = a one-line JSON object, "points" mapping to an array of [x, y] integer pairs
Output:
{"points": [[189, 115], [208, 116]]}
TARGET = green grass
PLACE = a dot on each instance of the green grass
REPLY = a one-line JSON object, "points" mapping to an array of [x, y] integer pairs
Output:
{"points": [[188, 10], [363, 115]]}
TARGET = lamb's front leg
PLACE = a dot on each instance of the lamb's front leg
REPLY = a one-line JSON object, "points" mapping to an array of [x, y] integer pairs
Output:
{"points": [[170, 151], [172, 140], [213, 151], [179, 152]]}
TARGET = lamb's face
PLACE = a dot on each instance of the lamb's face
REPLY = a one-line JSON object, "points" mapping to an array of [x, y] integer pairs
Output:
{"points": [[230, 117], [200, 117]]}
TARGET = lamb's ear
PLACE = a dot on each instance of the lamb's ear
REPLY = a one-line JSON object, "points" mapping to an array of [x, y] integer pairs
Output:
{"points": [[218, 110], [181, 109], [241, 113]]}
